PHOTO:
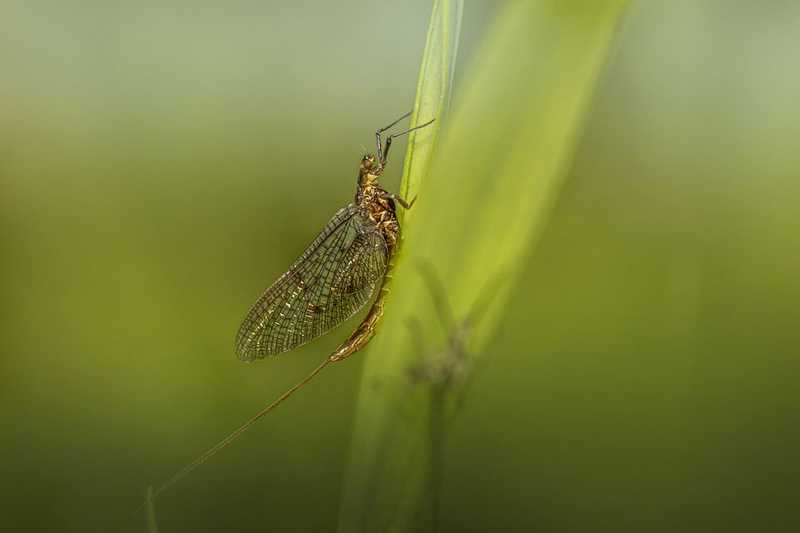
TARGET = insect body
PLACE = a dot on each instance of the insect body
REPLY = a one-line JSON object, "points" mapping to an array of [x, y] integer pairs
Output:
{"points": [[335, 276]]}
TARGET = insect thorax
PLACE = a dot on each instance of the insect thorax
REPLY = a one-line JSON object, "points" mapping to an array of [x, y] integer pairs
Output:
{"points": [[381, 210]]}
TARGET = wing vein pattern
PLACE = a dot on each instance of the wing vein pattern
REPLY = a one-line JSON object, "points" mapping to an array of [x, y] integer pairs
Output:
{"points": [[333, 278]]}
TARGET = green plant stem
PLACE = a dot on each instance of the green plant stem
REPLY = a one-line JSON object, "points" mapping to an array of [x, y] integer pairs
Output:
{"points": [[483, 200], [150, 506]]}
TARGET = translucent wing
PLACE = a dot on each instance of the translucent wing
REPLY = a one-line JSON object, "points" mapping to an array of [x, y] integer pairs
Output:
{"points": [[330, 282]]}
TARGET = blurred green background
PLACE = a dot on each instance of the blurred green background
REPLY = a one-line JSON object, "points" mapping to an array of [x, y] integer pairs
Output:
{"points": [[161, 164]]}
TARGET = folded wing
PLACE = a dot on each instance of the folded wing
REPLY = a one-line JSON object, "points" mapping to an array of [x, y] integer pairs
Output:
{"points": [[336, 275]]}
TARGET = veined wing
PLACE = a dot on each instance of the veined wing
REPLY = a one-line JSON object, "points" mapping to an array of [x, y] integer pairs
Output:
{"points": [[329, 283]]}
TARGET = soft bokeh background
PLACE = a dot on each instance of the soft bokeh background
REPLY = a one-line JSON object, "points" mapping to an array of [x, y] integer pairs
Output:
{"points": [[161, 164]]}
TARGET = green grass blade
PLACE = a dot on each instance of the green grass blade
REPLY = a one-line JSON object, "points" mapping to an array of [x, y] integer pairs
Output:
{"points": [[433, 93], [434, 89], [482, 203]]}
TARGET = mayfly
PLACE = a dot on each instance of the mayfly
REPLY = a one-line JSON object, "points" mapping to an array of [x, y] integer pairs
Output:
{"points": [[334, 277]]}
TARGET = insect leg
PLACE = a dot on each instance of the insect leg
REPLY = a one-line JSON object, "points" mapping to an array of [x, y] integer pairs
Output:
{"points": [[379, 147], [399, 200], [409, 130], [385, 153], [382, 152], [395, 122]]}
